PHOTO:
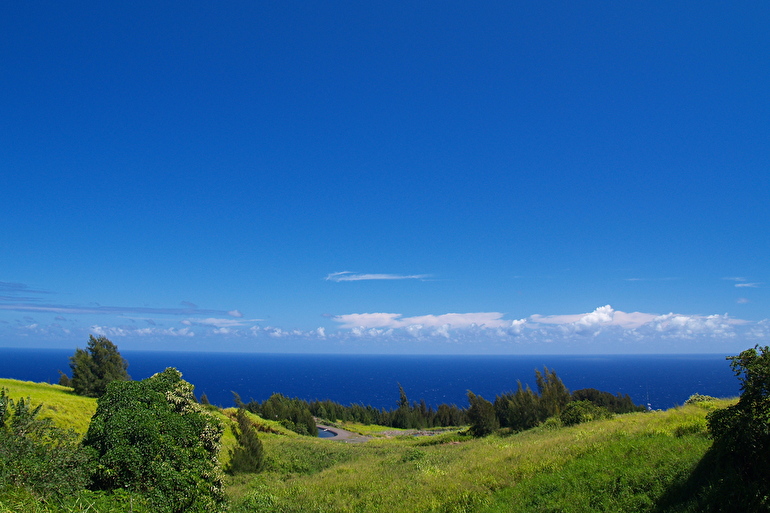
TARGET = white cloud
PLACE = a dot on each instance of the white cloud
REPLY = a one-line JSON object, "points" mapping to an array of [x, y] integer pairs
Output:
{"points": [[351, 276], [219, 323], [234, 313], [742, 300], [392, 320], [751, 285]]}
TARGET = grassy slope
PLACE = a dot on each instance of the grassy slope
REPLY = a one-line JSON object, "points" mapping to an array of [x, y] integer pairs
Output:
{"points": [[629, 463], [70, 411], [624, 464], [67, 410]]}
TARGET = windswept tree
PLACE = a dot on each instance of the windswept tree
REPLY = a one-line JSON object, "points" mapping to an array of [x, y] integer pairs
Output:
{"points": [[481, 415], [248, 456], [97, 366]]}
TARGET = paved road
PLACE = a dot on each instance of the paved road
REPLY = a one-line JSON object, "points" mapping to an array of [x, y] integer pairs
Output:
{"points": [[343, 435]]}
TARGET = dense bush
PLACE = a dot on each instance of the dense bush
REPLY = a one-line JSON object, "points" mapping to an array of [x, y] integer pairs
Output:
{"points": [[35, 455], [578, 412], [614, 403], [152, 437], [741, 432]]}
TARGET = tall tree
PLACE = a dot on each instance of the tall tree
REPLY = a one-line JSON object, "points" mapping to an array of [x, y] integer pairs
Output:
{"points": [[96, 366], [481, 415]]}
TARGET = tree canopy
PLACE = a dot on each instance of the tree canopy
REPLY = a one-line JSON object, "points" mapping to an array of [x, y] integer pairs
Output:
{"points": [[741, 432], [96, 366]]}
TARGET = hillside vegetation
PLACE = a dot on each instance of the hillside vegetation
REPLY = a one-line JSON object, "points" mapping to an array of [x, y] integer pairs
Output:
{"points": [[646, 461]]}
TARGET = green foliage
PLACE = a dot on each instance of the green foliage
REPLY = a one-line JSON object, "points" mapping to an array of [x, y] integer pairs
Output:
{"points": [[577, 412], [554, 396], [35, 455], [97, 366], [294, 414], [248, 455], [65, 409], [613, 403], [518, 410], [151, 437], [525, 409], [481, 415], [699, 398], [741, 432]]}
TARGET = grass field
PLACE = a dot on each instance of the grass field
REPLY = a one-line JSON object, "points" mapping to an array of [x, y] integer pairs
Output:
{"points": [[623, 464], [634, 462]]}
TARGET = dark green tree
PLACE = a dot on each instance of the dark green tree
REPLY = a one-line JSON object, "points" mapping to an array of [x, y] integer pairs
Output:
{"points": [[481, 416], [554, 396], [249, 455], [96, 366], [741, 432], [153, 438], [519, 410]]}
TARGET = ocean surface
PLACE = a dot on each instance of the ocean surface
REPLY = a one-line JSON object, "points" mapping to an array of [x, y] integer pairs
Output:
{"points": [[662, 381]]}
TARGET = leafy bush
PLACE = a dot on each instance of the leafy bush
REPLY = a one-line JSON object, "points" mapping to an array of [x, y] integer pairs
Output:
{"points": [[699, 398], [152, 437], [614, 403], [578, 412], [35, 455], [741, 432]]}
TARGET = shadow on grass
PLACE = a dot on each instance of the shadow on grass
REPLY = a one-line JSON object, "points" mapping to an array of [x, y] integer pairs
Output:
{"points": [[715, 486]]}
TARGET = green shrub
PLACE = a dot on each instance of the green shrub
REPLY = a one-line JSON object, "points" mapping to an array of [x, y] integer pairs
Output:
{"points": [[578, 412], [35, 455], [699, 398], [741, 432], [151, 437]]}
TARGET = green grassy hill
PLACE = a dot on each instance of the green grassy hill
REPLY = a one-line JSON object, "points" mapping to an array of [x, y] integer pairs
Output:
{"points": [[629, 463], [648, 461], [68, 411]]}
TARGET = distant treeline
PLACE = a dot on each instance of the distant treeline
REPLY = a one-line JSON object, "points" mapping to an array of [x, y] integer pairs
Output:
{"points": [[519, 410]]}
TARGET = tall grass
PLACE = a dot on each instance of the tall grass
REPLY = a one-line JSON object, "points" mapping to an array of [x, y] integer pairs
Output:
{"points": [[620, 464], [67, 410]]}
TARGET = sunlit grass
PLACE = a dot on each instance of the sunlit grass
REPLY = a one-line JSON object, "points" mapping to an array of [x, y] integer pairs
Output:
{"points": [[641, 452], [67, 410]]}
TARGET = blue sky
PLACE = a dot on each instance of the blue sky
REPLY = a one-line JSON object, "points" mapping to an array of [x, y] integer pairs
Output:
{"points": [[445, 177]]}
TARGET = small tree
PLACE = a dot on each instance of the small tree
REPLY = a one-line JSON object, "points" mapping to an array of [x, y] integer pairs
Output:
{"points": [[97, 366], [248, 456], [481, 415]]}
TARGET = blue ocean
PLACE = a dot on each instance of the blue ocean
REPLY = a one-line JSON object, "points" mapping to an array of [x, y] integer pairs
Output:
{"points": [[662, 381]]}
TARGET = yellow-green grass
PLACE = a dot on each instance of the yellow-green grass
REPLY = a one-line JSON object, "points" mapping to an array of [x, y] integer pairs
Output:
{"points": [[67, 410], [417, 474]]}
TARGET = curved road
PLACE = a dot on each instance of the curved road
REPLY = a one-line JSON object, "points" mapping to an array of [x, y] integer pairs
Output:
{"points": [[343, 435]]}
